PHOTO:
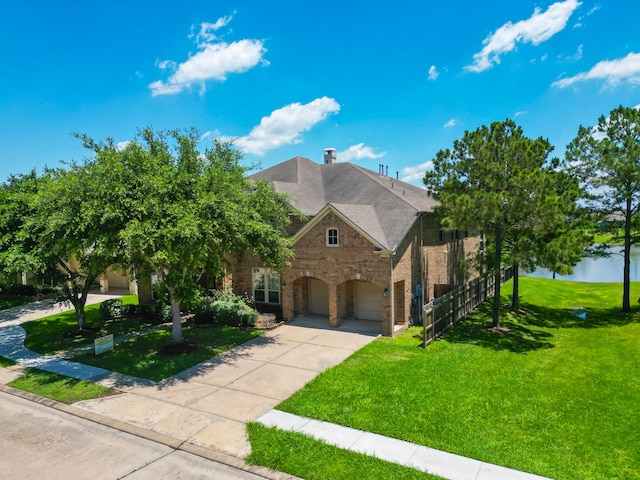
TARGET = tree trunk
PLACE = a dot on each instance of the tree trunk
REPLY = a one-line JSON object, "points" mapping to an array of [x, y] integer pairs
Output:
{"points": [[176, 319], [80, 317], [515, 298], [626, 289], [496, 279]]}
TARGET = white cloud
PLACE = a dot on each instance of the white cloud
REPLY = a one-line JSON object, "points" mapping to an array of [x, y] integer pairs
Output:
{"points": [[614, 72], [120, 146], [538, 28], [358, 152], [285, 125], [214, 61], [206, 35], [411, 174], [450, 123], [433, 72], [517, 114], [573, 58]]}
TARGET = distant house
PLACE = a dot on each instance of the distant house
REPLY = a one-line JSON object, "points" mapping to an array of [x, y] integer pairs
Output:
{"points": [[371, 248]]}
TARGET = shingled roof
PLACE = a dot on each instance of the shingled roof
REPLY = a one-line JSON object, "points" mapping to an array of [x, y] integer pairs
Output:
{"points": [[381, 206]]}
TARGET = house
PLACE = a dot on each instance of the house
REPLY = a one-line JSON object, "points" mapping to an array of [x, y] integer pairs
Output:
{"points": [[371, 247]]}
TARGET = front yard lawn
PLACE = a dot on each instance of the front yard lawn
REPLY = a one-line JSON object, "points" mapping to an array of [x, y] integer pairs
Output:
{"points": [[558, 396], [139, 356], [58, 333]]}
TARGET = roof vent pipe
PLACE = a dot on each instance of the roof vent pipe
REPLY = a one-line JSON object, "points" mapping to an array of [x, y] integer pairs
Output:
{"points": [[387, 174], [330, 155]]}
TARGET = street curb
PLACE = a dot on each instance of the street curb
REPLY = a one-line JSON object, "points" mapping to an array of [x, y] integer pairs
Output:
{"points": [[150, 435]]}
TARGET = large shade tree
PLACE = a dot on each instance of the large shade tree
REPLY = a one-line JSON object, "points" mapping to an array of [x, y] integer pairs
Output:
{"points": [[501, 184], [54, 224], [185, 211], [607, 157]]}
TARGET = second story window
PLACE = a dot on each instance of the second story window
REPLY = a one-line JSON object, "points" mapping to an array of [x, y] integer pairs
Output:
{"points": [[332, 237]]}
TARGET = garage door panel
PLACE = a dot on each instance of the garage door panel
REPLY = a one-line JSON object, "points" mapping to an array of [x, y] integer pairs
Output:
{"points": [[318, 297], [368, 301]]}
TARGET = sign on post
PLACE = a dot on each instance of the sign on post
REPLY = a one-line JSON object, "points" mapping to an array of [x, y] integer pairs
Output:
{"points": [[103, 344]]}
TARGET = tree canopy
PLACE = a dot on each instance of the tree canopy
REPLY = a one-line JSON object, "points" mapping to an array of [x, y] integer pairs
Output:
{"points": [[607, 158], [501, 184], [184, 211]]}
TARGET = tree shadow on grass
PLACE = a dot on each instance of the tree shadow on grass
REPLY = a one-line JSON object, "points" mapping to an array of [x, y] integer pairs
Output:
{"points": [[518, 335], [532, 327], [547, 317]]}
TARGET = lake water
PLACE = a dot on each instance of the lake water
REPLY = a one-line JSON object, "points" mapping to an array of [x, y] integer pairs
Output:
{"points": [[598, 269]]}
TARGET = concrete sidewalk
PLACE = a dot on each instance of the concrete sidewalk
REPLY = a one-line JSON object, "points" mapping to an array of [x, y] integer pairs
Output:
{"points": [[206, 407], [444, 464]]}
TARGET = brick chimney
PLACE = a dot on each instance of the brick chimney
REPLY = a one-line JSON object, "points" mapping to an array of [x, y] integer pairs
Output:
{"points": [[330, 155]]}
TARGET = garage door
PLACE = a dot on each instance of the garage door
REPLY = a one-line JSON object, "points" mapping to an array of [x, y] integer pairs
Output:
{"points": [[318, 297], [368, 301]]}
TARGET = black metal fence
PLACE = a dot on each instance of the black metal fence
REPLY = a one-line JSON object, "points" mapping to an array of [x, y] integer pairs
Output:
{"points": [[444, 312]]}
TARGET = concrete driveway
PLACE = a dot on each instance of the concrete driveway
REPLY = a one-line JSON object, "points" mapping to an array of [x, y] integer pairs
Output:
{"points": [[208, 405]]}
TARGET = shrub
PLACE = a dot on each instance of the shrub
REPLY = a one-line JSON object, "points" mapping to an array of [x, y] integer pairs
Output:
{"points": [[129, 309], [111, 308], [226, 308], [26, 290]]}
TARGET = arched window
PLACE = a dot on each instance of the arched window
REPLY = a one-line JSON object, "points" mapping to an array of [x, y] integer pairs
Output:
{"points": [[332, 237]]}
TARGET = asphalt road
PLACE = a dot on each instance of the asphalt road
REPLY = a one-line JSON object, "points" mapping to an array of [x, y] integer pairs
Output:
{"points": [[37, 442]]}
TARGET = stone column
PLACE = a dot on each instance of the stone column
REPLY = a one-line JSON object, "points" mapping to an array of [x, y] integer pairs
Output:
{"points": [[334, 320]]}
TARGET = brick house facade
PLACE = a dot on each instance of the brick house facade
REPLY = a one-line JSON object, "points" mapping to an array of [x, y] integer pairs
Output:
{"points": [[371, 248]]}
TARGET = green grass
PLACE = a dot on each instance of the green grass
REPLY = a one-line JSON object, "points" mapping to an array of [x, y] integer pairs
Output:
{"points": [[557, 397], [58, 387], [139, 356], [5, 362], [58, 333], [9, 301], [305, 457]]}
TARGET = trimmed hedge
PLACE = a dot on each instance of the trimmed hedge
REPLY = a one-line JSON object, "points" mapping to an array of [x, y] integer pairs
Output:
{"points": [[111, 308]]}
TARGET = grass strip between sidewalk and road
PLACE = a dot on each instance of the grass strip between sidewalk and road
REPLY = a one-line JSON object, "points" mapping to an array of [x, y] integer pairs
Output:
{"points": [[557, 396], [59, 387], [308, 458]]}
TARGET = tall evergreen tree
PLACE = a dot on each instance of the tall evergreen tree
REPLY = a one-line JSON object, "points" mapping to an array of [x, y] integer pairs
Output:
{"points": [[607, 157], [500, 183]]}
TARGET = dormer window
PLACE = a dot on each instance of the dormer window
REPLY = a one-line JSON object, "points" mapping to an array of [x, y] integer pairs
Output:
{"points": [[332, 237]]}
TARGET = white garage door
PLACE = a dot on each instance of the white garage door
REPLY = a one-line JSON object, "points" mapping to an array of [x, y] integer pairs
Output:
{"points": [[318, 297], [368, 301]]}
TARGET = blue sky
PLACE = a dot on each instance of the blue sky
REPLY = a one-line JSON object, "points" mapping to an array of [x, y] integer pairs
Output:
{"points": [[382, 82]]}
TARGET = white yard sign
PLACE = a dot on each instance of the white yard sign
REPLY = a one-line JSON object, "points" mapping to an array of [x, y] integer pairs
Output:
{"points": [[103, 344]]}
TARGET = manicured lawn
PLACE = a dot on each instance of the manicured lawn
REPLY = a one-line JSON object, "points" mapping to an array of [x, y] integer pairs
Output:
{"points": [[557, 397], [58, 387], [57, 333], [308, 458], [139, 356]]}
